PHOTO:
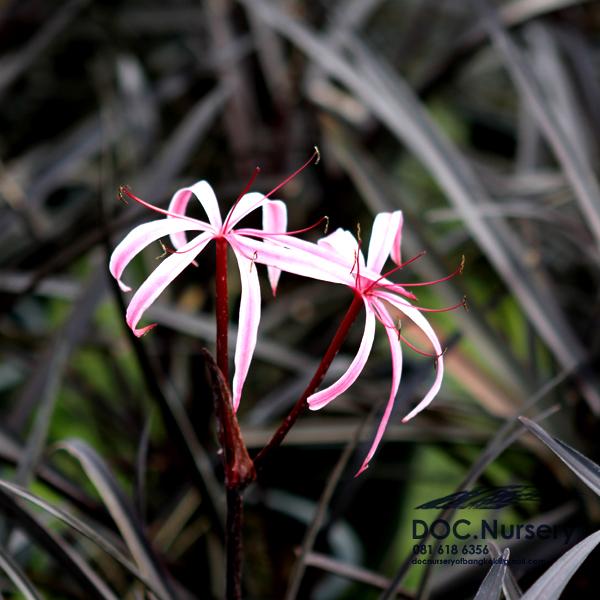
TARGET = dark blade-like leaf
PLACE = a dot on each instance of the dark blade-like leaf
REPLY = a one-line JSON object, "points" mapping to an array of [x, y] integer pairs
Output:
{"points": [[78, 525], [575, 163], [16, 575], [43, 387], [393, 102], [121, 511], [587, 470], [492, 584], [66, 556], [551, 584]]}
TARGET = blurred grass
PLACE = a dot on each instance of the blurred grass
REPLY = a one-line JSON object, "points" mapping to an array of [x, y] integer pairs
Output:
{"points": [[412, 107]]}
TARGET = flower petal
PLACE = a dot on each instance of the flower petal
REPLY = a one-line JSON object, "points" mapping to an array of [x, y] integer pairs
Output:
{"points": [[342, 242], [396, 252], [386, 232], [298, 257], [160, 278], [396, 352], [205, 194], [323, 397], [244, 206], [140, 237], [274, 221], [247, 323], [421, 322]]}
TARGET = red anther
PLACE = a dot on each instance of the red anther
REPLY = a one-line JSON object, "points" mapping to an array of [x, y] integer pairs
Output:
{"points": [[123, 189]]}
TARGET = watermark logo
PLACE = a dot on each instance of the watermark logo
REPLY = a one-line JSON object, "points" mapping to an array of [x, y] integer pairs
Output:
{"points": [[482, 530], [489, 529], [489, 498]]}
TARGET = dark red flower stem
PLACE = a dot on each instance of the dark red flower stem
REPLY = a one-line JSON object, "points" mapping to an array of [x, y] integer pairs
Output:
{"points": [[239, 469], [301, 403], [239, 472], [234, 526], [222, 307]]}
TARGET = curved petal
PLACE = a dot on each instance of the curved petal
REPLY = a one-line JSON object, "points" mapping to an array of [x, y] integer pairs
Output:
{"points": [[140, 237], [160, 278], [323, 397], [342, 242], [396, 252], [396, 352], [180, 200], [247, 323], [301, 258], [274, 215], [387, 228], [421, 322], [244, 206]]}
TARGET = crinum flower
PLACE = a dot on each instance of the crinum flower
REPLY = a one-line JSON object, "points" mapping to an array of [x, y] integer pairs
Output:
{"points": [[175, 225], [338, 258]]}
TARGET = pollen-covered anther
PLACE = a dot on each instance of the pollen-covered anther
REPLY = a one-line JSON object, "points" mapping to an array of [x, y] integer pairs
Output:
{"points": [[165, 250], [123, 191], [253, 260], [168, 251]]}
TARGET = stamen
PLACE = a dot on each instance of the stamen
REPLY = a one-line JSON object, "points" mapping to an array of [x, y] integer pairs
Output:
{"points": [[253, 260], [396, 268], [462, 303], [356, 262], [397, 289], [165, 251], [244, 192], [316, 156], [169, 251], [388, 324], [123, 189], [418, 350], [454, 273], [260, 233]]}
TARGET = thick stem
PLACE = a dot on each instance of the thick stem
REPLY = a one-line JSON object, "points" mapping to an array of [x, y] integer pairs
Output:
{"points": [[222, 307], [301, 404], [235, 511], [239, 472]]}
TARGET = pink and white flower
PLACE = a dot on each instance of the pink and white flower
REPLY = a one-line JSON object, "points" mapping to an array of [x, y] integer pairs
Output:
{"points": [[175, 225], [338, 258]]}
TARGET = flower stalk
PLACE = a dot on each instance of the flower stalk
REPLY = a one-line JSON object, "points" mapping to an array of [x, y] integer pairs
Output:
{"points": [[239, 472], [222, 306], [301, 404]]}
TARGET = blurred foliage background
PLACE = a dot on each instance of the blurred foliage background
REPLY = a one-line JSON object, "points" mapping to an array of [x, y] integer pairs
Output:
{"points": [[480, 121]]}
